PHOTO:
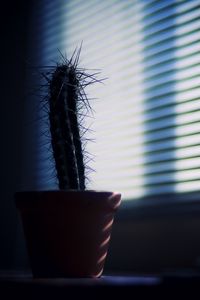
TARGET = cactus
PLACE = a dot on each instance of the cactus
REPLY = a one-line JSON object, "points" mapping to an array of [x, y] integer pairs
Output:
{"points": [[66, 99]]}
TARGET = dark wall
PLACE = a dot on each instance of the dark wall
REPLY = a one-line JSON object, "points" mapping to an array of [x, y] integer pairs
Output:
{"points": [[144, 244], [13, 54], [159, 243]]}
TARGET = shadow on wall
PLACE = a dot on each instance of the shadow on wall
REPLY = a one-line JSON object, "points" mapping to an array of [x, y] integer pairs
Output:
{"points": [[156, 239]]}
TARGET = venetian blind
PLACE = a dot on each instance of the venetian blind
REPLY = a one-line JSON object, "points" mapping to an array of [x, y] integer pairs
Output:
{"points": [[147, 118]]}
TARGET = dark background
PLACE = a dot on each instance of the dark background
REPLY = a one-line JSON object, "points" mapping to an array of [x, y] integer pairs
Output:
{"points": [[140, 242], [15, 22]]}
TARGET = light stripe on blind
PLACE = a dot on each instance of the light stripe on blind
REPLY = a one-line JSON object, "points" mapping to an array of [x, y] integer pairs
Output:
{"points": [[147, 120]]}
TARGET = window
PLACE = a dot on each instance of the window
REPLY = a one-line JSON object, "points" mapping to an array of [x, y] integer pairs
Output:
{"points": [[147, 117]]}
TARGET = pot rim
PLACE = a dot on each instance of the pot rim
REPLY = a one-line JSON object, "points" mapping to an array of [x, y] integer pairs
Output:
{"points": [[104, 199]]}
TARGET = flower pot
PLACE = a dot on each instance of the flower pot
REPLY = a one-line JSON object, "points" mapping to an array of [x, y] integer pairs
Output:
{"points": [[67, 232]]}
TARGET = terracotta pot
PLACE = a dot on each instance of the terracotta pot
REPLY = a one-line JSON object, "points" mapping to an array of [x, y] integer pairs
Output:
{"points": [[67, 232]]}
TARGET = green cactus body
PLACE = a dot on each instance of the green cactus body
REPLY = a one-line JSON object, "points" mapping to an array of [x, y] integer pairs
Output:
{"points": [[64, 127]]}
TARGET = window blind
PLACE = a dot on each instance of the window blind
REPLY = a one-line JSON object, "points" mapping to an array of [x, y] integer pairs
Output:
{"points": [[147, 119]]}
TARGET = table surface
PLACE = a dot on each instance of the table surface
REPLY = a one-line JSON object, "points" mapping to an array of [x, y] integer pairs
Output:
{"points": [[105, 280], [22, 284]]}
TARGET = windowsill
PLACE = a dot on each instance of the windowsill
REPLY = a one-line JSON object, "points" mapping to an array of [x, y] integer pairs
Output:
{"points": [[158, 206], [126, 279], [22, 284]]}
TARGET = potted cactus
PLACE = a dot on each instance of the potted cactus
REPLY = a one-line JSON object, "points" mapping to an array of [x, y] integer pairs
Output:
{"points": [[67, 230]]}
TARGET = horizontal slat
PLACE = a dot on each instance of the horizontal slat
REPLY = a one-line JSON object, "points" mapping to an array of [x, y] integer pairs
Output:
{"points": [[176, 127], [188, 113], [173, 110], [156, 18], [179, 165], [168, 183], [183, 147], [170, 12], [137, 116], [172, 77], [189, 186], [171, 55], [188, 6], [173, 121], [174, 187], [188, 28], [181, 176], [172, 90], [169, 35], [127, 170], [157, 183], [112, 162], [152, 7], [181, 97], [170, 24], [173, 65], [172, 45]]}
